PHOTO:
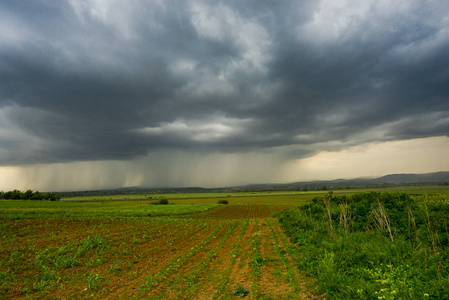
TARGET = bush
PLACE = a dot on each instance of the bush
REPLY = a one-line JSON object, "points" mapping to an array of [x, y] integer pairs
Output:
{"points": [[163, 201], [223, 202], [29, 195], [160, 202], [342, 245]]}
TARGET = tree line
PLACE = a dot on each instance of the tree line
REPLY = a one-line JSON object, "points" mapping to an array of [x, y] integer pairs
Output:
{"points": [[29, 195]]}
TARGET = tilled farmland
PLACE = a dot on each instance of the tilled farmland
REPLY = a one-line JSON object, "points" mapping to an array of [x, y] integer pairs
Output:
{"points": [[225, 253]]}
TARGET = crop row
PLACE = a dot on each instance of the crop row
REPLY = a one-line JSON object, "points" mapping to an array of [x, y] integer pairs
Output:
{"points": [[157, 258]]}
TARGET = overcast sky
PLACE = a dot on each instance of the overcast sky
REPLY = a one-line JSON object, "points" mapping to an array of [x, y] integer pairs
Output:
{"points": [[108, 93]]}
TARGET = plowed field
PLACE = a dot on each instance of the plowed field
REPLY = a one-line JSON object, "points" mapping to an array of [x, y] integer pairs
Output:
{"points": [[241, 211], [203, 256]]}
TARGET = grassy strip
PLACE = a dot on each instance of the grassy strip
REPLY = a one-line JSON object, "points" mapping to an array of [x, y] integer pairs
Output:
{"points": [[186, 195], [373, 245], [19, 210]]}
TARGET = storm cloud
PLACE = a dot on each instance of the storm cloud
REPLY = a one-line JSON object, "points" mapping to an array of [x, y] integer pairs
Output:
{"points": [[99, 80]]}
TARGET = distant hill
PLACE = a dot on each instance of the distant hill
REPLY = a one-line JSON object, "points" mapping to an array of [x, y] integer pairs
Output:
{"points": [[391, 179], [438, 177]]}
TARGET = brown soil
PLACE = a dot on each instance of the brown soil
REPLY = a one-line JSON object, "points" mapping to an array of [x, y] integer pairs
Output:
{"points": [[241, 211], [205, 256]]}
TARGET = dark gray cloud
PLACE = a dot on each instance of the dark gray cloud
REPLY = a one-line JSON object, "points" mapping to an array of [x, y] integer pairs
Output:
{"points": [[95, 80]]}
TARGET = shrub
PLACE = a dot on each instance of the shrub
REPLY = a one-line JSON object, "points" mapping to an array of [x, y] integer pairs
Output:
{"points": [[374, 245], [29, 195], [160, 202], [223, 202]]}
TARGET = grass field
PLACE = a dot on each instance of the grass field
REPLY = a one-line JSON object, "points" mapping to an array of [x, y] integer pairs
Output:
{"points": [[23, 209], [272, 196], [190, 249]]}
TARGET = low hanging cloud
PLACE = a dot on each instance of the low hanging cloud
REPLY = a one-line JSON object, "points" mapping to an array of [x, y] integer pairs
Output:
{"points": [[114, 81]]}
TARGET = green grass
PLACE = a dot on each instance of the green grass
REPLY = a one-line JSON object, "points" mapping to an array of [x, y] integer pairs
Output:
{"points": [[181, 195], [16, 209], [361, 262], [419, 189], [183, 203], [393, 247]]}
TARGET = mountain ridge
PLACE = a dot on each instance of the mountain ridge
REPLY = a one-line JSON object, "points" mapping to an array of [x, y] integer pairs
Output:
{"points": [[390, 179]]}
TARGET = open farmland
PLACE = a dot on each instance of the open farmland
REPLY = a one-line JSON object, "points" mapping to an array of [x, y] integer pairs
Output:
{"points": [[261, 196], [201, 256], [194, 248]]}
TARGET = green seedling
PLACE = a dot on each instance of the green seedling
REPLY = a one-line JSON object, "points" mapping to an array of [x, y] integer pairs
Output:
{"points": [[240, 291]]}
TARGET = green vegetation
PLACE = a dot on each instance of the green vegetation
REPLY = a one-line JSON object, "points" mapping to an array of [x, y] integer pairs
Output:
{"points": [[256, 195], [373, 245], [225, 202], [240, 291], [179, 196], [29, 195], [160, 202], [20, 209]]}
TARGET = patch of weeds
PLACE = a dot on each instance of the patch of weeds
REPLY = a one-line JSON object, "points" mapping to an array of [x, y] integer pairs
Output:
{"points": [[92, 242], [67, 262], [139, 256], [5, 228], [40, 285], [235, 253], [47, 274], [4, 282], [143, 290], [93, 281], [258, 261], [135, 240], [114, 268], [26, 291], [14, 259], [56, 257], [132, 275], [240, 291], [4, 276], [24, 233], [95, 262], [125, 252]]}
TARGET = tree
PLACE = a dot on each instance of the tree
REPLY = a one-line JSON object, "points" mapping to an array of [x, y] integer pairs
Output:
{"points": [[16, 194], [28, 195], [37, 195]]}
